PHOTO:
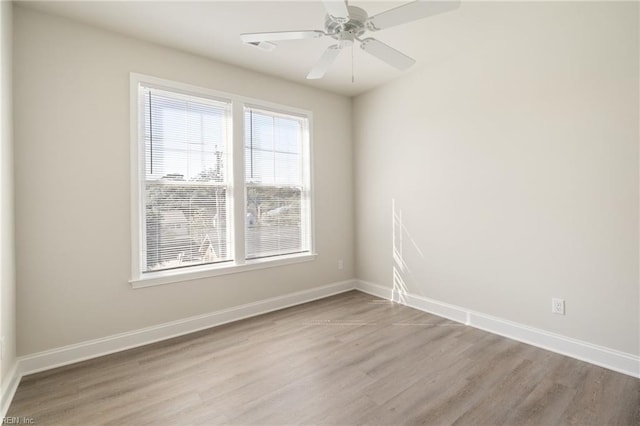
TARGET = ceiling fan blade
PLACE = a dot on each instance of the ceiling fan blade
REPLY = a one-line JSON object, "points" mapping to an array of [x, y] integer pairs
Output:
{"points": [[280, 35], [338, 9], [410, 12], [323, 64], [387, 54]]}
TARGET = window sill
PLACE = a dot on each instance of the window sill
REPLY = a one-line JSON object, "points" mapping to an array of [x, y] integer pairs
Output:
{"points": [[168, 277]]}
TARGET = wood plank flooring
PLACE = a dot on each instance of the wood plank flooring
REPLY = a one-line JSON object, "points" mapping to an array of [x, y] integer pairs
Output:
{"points": [[347, 359]]}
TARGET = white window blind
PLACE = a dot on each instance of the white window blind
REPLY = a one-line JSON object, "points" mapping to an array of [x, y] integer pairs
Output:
{"points": [[277, 184], [197, 211], [185, 184]]}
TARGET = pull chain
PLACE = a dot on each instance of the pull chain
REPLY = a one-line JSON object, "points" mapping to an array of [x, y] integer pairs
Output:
{"points": [[353, 79]]}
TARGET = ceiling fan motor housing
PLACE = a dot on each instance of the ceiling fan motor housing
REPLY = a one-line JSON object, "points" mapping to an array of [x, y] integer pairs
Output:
{"points": [[347, 32]]}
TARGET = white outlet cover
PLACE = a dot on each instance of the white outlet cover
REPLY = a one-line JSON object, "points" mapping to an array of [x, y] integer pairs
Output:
{"points": [[557, 306]]}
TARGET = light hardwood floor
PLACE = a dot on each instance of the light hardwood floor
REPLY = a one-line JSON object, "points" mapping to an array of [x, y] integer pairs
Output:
{"points": [[347, 359]]}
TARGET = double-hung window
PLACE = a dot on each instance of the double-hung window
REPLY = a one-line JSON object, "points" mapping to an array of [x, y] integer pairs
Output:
{"points": [[185, 185], [276, 188], [220, 183]]}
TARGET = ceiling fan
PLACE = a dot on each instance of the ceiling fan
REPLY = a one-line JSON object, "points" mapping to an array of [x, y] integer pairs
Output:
{"points": [[347, 24]]}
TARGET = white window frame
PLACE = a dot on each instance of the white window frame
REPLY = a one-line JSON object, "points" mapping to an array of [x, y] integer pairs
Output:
{"points": [[237, 212]]}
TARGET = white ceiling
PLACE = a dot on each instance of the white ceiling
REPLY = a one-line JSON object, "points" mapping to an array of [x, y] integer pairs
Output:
{"points": [[212, 29]]}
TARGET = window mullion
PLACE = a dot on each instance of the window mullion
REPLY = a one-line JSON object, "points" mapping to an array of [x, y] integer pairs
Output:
{"points": [[239, 215]]}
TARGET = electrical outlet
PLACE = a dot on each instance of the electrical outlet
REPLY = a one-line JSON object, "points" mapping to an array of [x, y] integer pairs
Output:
{"points": [[340, 264], [557, 306]]}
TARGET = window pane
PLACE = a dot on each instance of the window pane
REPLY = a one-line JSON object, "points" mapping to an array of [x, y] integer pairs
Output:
{"points": [[185, 183], [273, 148], [273, 221], [183, 137], [277, 200], [186, 225]]}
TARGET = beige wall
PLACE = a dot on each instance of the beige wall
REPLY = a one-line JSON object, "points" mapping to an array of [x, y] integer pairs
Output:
{"points": [[7, 262], [515, 168], [72, 185]]}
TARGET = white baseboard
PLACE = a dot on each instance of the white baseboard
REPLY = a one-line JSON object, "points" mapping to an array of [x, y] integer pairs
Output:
{"points": [[94, 348], [445, 310], [9, 387], [599, 355]]}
